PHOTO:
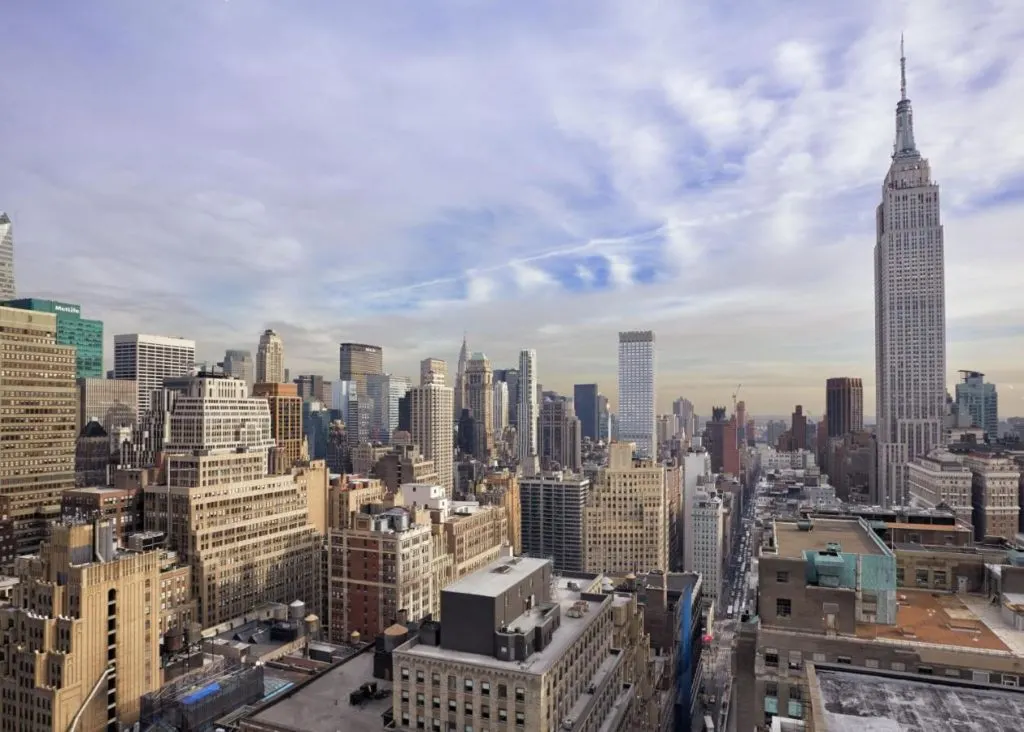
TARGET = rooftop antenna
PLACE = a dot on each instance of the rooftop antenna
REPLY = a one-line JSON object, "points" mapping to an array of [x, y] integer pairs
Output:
{"points": [[903, 71]]}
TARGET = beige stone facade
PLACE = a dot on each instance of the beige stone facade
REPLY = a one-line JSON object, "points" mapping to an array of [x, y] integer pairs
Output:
{"points": [[996, 497]]}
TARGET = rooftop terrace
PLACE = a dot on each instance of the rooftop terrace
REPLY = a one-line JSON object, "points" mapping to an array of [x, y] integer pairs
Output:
{"points": [[926, 617], [852, 536]]}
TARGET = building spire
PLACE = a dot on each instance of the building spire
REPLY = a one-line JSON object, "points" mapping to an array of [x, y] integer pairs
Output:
{"points": [[904, 146]]}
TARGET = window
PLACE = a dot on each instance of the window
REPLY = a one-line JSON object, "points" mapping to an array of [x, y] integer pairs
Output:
{"points": [[871, 662], [452, 706], [771, 688], [939, 578], [469, 685], [435, 678], [782, 577], [899, 666], [419, 700], [502, 715], [405, 695], [783, 607], [419, 677], [819, 658], [926, 670], [1009, 680], [520, 693], [771, 659], [405, 674], [436, 702], [954, 672], [921, 577], [485, 711], [485, 688], [795, 693], [796, 661], [467, 708], [520, 719], [980, 677], [502, 691], [844, 659]]}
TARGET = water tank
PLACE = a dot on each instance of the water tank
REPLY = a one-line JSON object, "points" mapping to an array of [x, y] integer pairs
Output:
{"points": [[355, 637], [297, 610], [400, 521]]}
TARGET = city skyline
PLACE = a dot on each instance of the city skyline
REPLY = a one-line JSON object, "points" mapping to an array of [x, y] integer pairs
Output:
{"points": [[562, 194]]}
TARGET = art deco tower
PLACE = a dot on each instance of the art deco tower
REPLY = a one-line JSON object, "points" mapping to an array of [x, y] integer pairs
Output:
{"points": [[910, 310], [7, 288], [270, 359]]}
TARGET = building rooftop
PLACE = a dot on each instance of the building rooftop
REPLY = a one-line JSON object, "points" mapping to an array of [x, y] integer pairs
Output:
{"points": [[322, 705], [926, 617], [864, 702], [853, 537], [495, 580], [569, 631]]}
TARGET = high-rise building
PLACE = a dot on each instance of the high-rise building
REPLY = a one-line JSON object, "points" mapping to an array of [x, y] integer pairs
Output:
{"points": [[285, 424], [270, 359], [604, 419], [238, 364], [461, 399], [480, 401], [980, 401], [584, 397], [40, 413], [111, 402], [910, 310], [499, 412], [551, 518], [637, 393], [798, 428], [314, 386], [708, 540], [358, 361], [82, 635], [741, 423], [844, 405], [7, 288], [527, 409], [149, 359], [995, 495], [510, 377], [72, 330], [383, 392], [559, 435], [683, 408], [432, 422], [626, 520]]}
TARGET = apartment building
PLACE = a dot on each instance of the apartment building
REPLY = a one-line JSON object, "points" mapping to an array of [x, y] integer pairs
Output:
{"points": [[347, 495], [285, 424], [431, 407], [995, 495], [707, 539], [270, 359], [552, 510], [501, 488], [37, 456], [78, 637], [404, 463], [828, 595], [474, 537], [122, 506], [626, 516], [942, 477], [527, 652]]}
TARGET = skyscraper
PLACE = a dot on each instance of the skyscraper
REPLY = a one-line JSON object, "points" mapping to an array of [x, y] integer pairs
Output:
{"points": [[72, 330], [7, 288], [558, 435], [979, 400], [149, 359], [270, 359], [637, 416], [910, 310], [527, 412], [844, 405], [499, 412], [584, 397], [357, 361], [239, 365], [460, 377], [480, 402], [432, 420]]}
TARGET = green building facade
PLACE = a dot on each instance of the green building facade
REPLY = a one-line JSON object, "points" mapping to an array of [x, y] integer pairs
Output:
{"points": [[72, 330]]}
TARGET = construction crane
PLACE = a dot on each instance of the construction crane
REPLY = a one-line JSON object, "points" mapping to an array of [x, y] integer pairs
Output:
{"points": [[734, 395]]}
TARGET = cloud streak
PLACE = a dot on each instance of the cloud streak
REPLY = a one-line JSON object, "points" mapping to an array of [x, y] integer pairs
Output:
{"points": [[542, 175]]}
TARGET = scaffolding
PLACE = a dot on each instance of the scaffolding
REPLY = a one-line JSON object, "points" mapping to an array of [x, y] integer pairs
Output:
{"points": [[193, 702]]}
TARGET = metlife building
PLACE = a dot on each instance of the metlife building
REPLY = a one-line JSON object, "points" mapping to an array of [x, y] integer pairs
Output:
{"points": [[72, 330]]}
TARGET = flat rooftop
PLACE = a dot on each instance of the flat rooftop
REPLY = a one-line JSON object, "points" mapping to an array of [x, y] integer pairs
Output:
{"points": [[568, 633], [490, 583], [861, 702], [851, 535], [322, 705], [926, 617]]}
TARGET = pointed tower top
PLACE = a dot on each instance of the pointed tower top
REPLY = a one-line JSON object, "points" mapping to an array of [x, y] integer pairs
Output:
{"points": [[903, 71]]}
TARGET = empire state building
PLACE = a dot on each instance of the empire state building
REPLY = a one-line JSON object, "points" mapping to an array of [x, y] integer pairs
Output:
{"points": [[910, 310]]}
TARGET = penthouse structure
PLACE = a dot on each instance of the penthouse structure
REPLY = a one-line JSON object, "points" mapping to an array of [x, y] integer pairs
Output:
{"points": [[524, 651]]}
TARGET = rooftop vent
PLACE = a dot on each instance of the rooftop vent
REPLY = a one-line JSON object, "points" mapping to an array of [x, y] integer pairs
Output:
{"points": [[503, 569], [804, 525]]}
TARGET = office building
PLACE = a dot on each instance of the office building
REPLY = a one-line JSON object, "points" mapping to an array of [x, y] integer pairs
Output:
{"points": [[510, 377], [402, 464], [683, 409], [560, 445], [461, 399], [72, 330], [528, 406], [940, 477], [78, 638], [111, 402], [798, 429], [285, 424], [313, 386], [270, 359], [707, 541], [41, 413], [149, 359], [979, 401], [501, 488], [637, 391], [383, 392], [499, 410], [627, 515], [584, 397], [995, 495], [358, 361], [528, 652], [844, 405], [7, 288], [431, 420], [552, 507], [479, 402], [216, 471], [239, 364], [910, 311], [604, 419]]}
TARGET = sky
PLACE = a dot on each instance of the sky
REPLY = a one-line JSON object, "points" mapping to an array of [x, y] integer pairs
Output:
{"points": [[533, 174]]}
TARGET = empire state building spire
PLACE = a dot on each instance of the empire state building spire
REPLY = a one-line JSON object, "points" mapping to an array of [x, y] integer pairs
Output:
{"points": [[904, 146]]}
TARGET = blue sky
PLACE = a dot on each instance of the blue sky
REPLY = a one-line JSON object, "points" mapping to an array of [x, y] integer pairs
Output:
{"points": [[538, 174]]}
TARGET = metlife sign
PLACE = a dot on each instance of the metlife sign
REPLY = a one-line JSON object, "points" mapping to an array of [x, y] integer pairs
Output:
{"points": [[69, 309]]}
